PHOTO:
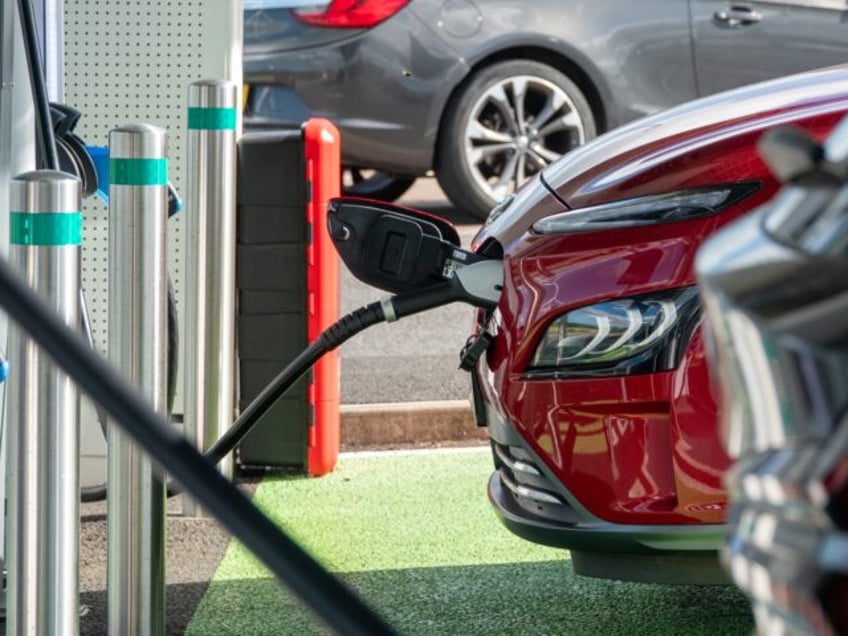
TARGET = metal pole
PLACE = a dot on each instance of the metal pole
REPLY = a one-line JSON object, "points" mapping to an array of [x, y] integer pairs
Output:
{"points": [[210, 265], [138, 175], [17, 135], [43, 453]]}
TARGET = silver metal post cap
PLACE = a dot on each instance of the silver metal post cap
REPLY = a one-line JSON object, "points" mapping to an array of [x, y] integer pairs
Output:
{"points": [[138, 141], [213, 93], [45, 191]]}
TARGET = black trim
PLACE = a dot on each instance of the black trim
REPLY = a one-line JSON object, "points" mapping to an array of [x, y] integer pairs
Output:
{"points": [[602, 535], [668, 568]]}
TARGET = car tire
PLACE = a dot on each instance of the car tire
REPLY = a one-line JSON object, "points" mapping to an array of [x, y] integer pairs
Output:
{"points": [[373, 184], [488, 144]]}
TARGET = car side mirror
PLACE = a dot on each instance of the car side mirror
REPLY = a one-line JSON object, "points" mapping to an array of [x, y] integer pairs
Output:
{"points": [[392, 247]]}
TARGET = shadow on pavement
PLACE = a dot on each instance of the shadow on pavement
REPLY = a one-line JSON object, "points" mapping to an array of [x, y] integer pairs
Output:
{"points": [[521, 598], [181, 602], [194, 548]]}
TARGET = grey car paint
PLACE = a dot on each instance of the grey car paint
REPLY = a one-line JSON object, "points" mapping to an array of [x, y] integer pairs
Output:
{"points": [[621, 53], [382, 87], [746, 42], [388, 87]]}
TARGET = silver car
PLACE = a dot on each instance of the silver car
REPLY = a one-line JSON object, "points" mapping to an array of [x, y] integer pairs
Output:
{"points": [[775, 285], [485, 93]]}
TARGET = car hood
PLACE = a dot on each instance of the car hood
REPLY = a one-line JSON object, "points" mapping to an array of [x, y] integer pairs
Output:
{"points": [[629, 161]]}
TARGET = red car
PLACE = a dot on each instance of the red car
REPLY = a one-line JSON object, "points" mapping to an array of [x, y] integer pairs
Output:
{"points": [[594, 386]]}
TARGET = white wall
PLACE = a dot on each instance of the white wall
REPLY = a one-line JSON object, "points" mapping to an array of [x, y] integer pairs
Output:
{"points": [[132, 61]]}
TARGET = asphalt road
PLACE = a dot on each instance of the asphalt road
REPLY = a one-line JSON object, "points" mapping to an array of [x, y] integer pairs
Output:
{"points": [[415, 359]]}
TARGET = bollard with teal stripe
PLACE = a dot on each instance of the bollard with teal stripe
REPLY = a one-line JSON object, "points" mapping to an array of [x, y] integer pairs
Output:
{"points": [[210, 218], [137, 343], [42, 551]]}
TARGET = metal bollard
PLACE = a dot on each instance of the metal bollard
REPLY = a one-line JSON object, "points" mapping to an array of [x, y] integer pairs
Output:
{"points": [[137, 346], [43, 443], [210, 218]]}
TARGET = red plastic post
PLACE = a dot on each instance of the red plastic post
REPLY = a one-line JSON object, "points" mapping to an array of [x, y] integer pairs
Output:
{"points": [[322, 149]]}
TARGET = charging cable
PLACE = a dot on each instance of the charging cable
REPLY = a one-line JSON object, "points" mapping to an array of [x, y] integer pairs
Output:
{"points": [[479, 284]]}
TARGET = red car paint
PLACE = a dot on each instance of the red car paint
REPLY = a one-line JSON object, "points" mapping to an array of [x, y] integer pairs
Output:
{"points": [[631, 450]]}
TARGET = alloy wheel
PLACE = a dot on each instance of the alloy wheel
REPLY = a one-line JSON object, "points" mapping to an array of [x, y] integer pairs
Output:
{"points": [[517, 127]]}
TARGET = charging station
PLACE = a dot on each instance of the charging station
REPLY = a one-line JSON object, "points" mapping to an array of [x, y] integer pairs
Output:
{"points": [[286, 264], [288, 301]]}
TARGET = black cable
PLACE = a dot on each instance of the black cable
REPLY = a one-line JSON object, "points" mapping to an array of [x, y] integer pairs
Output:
{"points": [[173, 348], [48, 157], [329, 598], [399, 306], [336, 334], [332, 337], [347, 327], [420, 300]]}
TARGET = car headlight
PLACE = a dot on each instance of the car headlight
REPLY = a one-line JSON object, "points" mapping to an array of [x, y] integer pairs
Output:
{"points": [[639, 334], [650, 210]]}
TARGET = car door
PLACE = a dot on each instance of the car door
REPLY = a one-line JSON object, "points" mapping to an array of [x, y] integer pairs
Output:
{"points": [[737, 43]]}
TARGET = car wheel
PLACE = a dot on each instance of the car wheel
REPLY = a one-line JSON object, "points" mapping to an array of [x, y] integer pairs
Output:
{"points": [[506, 124], [373, 184]]}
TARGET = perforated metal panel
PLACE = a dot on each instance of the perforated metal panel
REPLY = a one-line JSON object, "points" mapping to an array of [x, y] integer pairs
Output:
{"points": [[132, 61]]}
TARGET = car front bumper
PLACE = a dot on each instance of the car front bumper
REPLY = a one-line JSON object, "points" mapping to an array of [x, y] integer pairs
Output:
{"points": [[598, 535], [534, 505], [648, 554]]}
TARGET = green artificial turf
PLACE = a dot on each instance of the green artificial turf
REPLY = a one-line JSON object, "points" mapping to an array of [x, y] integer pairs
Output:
{"points": [[415, 536]]}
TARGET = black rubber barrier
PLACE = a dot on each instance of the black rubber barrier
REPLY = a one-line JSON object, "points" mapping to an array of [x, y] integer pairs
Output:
{"points": [[330, 599], [272, 194]]}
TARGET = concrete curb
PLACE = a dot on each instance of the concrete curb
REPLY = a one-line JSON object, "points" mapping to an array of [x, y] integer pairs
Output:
{"points": [[443, 423]]}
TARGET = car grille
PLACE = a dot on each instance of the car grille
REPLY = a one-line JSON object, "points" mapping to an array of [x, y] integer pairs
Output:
{"points": [[530, 489]]}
